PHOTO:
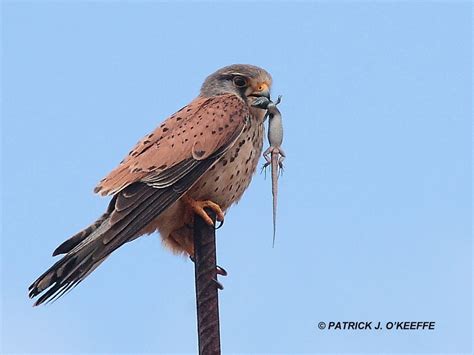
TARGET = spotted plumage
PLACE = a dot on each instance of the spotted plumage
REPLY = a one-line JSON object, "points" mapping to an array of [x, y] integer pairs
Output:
{"points": [[204, 155]]}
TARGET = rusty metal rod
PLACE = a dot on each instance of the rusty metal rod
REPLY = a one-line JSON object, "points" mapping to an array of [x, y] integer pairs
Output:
{"points": [[205, 274]]}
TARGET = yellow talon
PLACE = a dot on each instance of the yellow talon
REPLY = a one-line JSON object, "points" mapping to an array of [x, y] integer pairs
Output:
{"points": [[198, 208]]}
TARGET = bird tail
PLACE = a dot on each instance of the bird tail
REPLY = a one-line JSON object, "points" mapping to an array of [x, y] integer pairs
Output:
{"points": [[78, 262], [129, 211]]}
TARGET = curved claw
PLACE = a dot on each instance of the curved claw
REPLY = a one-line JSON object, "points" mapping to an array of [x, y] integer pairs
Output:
{"points": [[198, 208], [221, 223], [221, 271], [218, 284]]}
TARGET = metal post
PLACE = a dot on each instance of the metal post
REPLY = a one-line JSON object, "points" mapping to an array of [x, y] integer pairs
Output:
{"points": [[206, 286]]}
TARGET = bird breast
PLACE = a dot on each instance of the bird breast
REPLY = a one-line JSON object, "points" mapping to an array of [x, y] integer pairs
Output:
{"points": [[227, 180]]}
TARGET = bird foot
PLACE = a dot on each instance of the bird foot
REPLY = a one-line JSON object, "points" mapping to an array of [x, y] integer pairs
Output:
{"points": [[198, 208]]}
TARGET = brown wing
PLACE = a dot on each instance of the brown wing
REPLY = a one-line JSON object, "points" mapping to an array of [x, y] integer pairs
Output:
{"points": [[161, 168], [196, 131]]}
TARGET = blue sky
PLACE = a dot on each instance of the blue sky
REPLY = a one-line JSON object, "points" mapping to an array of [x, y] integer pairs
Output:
{"points": [[374, 220]]}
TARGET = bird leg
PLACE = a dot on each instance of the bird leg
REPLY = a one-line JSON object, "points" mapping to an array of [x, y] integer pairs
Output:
{"points": [[198, 208]]}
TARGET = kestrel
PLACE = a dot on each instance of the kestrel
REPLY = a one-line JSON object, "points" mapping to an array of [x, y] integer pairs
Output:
{"points": [[204, 155]]}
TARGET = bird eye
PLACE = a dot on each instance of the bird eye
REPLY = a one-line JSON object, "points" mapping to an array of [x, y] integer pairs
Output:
{"points": [[239, 81]]}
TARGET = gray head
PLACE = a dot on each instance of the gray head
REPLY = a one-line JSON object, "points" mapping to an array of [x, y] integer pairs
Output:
{"points": [[241, 79]]}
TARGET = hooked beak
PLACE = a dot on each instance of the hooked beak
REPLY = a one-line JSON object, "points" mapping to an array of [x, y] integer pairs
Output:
{"points": [[262, 90]]}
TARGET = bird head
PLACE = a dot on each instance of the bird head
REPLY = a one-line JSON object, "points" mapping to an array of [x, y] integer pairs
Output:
{"points": [[246, 81]]}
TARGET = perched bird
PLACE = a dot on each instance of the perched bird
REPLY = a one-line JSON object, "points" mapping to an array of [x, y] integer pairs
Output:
{"points": [[204, 155]]}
